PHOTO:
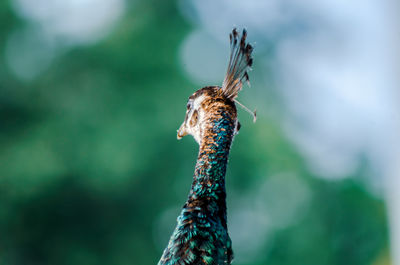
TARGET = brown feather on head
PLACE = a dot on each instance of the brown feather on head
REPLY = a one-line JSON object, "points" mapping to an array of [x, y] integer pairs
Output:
{"points": [[240, 61], [208, 102]]}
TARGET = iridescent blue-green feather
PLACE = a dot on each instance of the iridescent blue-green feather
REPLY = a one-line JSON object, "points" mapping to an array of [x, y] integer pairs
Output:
{"points": [[201, 235]]}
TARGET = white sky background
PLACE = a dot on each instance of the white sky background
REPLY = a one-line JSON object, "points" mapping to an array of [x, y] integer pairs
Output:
{"points": [[334, 65]]}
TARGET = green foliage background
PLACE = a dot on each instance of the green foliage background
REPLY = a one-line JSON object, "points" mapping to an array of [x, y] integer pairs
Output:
{"points": [[89, 158]]}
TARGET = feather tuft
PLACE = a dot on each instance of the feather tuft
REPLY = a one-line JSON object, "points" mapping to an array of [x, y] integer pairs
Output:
{"points": [[240, 62]]}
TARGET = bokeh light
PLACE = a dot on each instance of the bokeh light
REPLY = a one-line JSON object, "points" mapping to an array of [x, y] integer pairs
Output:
{"points": [[92, 93]]}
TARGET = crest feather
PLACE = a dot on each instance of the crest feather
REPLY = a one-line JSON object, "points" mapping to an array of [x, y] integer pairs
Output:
{"points": [[240, 61]]}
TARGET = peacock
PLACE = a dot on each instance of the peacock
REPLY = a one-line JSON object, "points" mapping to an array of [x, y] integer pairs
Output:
{"points": [[201, 235]]}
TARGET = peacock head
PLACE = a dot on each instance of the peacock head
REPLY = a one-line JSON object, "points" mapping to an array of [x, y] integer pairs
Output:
{"points": [[213, 101]]}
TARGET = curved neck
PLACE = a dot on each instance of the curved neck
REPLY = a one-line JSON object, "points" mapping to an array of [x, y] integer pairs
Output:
{"points": [[209, 175]]}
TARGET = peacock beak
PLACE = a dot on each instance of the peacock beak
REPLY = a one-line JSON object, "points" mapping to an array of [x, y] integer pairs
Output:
{"points": [[181, 132]]}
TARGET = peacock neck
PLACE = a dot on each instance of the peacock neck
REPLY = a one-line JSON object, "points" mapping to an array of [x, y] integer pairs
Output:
{"points": [[208, 185]]}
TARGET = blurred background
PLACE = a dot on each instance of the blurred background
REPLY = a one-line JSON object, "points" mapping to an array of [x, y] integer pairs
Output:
{"points": [[93, 91]]}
